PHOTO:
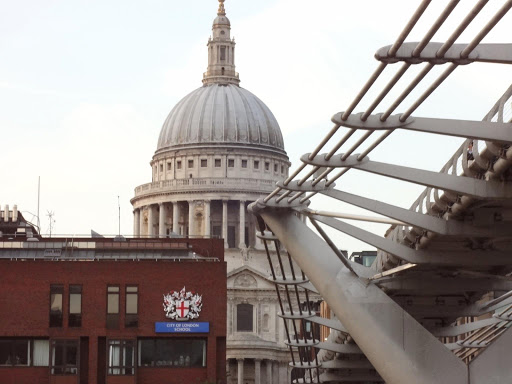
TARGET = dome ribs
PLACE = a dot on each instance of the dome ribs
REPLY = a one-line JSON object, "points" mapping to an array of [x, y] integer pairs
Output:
{"points": [[192, 131], [220, 114]]}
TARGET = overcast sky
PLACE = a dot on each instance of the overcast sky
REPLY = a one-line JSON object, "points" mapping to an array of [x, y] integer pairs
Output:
{"points": [[85, 87]]}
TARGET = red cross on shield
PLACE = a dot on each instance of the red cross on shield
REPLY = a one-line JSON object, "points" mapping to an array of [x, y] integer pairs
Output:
{"points": [[182, 308]]}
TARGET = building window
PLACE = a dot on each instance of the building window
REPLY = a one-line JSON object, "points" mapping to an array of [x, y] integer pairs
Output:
{"points": [[244, 318], [275, 167], [282, 168], [15, 352], [178, 164], [64, 357], [217, 163], [223, 53], [267, 166], [204, 163], [161, 167], [191, 163], [244, 163], [256, 164], [172, 352], [75, 306], [41, 353], [231, 163], [56, 294], [112, 307], [131, 318], [169, 166], [121, 357]]}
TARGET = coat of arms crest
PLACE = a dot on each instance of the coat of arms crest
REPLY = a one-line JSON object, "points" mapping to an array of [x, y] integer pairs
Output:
{"points": [[182, 305]]}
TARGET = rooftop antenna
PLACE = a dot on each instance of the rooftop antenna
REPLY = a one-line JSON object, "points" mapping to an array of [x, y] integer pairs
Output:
{"points": [[38, 198], [119, 214], [50, 215]]}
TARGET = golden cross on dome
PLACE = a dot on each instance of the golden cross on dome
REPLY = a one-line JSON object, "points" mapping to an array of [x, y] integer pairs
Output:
{"points": [[221, 11]]}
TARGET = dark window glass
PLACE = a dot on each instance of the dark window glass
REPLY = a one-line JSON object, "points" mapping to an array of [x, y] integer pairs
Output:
{"points": [[267, 166], [112, 307], [75, 306], [231, 163], [204, 163], [223, 53], [256, 164], [275, 167], [64, 357], [172, 352], [282, 168], [131, 318], [121, 357], [169, 166], [244, 318], [217, 163], [161, 167], [244, 163], [56, 295], [178, 164], [191, 163], [15, 352]]}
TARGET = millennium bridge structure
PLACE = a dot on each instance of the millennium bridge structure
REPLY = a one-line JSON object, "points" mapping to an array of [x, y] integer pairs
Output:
{"points": [[436, 305]]}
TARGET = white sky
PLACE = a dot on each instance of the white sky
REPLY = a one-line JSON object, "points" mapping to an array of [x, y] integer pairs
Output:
{"points": [[85, 87]]}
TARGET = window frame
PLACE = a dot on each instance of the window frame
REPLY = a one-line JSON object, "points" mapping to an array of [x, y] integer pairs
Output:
{"points": [[217, 163], [123, 343], [56, 289], [178, 164], [190, 163], [250, 319], [67, 369], [231, 163], [72, 315], [112, 318], [256, 164], [134, 322], [155, 347], [205, 162], [12, 354]]}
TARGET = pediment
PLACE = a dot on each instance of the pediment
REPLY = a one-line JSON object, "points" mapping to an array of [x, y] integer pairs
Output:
{"points": [[248, 278]]}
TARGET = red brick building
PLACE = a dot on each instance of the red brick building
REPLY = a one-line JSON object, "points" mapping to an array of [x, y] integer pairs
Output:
{"points": [[83, 311]]}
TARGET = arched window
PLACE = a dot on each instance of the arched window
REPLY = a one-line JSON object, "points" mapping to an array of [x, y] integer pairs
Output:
{"points": [[223, 70], [244, 321]]}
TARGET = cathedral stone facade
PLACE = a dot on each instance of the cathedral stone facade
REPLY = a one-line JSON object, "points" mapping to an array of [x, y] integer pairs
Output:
{"points": [[219, 150]]}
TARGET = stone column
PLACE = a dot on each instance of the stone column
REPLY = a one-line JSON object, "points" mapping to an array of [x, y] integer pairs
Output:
{"points": [[191, 218], [228, 371], [151, 219], [240, 371], [141, 222], [175, 217], [136, 222], [207, 229], [275, 372], [257, 371], [225, 222], [241, 232], [269, 371], [161, 219]]}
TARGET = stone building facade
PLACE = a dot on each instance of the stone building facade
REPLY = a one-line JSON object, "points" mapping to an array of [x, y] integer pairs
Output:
{"points": [[219, 150]]}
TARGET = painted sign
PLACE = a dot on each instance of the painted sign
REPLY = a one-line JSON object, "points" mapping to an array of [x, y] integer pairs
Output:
{"points": [[182, 327]]}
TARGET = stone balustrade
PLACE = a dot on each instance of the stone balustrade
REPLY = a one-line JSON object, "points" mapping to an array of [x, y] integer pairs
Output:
{"points": [[207, 183]]}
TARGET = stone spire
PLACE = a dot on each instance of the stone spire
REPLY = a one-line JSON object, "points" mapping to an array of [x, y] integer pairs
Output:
{"points": [[221, 52]]}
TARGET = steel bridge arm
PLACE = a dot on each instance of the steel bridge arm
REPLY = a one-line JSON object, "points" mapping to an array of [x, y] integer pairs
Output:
{"points": [[380, 327], [481, 130], [409, 255]]}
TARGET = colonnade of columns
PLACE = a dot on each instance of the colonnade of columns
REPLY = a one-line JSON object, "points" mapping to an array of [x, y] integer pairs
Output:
{"points": [[138, 220], [269, 364]]}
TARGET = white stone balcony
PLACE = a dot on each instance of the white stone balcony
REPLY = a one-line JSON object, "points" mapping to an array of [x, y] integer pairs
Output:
{"points": [[206, 184]]}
